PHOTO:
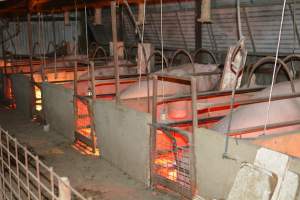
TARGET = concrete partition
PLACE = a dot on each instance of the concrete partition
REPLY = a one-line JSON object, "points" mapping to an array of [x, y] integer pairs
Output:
{"points": [[23, 93], [215, 175], [58, 109], [123, 135]]}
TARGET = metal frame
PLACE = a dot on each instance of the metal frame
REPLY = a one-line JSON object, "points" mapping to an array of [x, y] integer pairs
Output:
{"points": [[186, 190], [24, 176]]}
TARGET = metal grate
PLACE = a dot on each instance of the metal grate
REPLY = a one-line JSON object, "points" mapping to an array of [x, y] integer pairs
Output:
{"points": [[24, 176], [172, 161]]}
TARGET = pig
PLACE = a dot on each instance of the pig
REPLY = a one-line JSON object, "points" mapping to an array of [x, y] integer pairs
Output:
{"points": [[204, 83], [256, 114]]}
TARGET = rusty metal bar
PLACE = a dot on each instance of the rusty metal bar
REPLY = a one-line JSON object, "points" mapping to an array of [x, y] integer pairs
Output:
{"points": [[115, 47], [192, 156], [244, 131], [19, 164], [91, 107], [153, 131]]}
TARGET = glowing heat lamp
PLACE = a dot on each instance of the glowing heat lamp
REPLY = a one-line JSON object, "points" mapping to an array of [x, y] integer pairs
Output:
{"points": [[38, 97]]}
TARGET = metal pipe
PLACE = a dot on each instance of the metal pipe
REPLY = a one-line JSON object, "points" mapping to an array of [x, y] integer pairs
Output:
{"points": [[115, 47]]}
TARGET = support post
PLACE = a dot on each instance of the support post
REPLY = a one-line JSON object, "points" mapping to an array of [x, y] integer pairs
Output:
{"points": [[3, 52], [198, 26], [192, 136], [30, 51], [92, 107], [29, 27], [115, 47], [64, 189], [153, 130]]}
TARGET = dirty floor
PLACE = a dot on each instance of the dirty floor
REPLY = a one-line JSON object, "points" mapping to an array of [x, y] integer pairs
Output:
{"points": [[92, 176]]}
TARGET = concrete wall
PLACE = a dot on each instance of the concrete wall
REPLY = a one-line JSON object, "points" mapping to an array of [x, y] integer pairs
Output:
{"points": [[58, 109], [123, 136], [215, 175], [23, 93]]}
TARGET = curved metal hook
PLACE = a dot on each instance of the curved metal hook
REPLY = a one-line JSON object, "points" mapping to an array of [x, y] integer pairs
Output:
{"points": [[99, 48], [269, 59], [34, 47], [51, 43], [210, 53], [290, 58], [153, 54], [183, 51]]}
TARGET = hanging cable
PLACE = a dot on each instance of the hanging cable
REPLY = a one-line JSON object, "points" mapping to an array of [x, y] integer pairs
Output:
{"points": [[163, 116], [44, 46], [239, 19], [239, 69], [274, 68], [87, 44]]}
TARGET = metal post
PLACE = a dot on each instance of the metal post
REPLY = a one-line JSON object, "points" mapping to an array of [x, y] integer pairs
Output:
{"points": [[192, 136], [75, 96], [64, 189], [198, 26], [153, 130], [91, 106], [3, 52], [115, 47], [30, 51]]}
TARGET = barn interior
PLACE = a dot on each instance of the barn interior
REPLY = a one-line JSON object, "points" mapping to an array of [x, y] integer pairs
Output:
{"points": [[142, 100]]}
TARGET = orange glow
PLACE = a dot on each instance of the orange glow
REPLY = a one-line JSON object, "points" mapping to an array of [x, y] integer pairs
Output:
{"points": [[38, 99], [84, 149]]}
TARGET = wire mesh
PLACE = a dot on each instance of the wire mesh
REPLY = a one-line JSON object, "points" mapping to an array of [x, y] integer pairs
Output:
{"points": [[24, 176], [172, 158]]}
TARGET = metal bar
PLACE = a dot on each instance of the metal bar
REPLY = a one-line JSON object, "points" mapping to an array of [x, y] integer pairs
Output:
{"points": [[249, 30], [239, 132], [3, 52], [192, 156], [181, 30], [38, 176], [115, 47], [255, 100], [173, 186], [169, 128], [173, 78], [75, 97], [91, 108], [153, 131], [295, 24], [198, 26], [210, 94]]}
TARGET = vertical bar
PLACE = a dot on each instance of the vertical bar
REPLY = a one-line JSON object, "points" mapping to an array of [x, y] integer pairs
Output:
{"points": [[9, 166], [26, 171], [2, 167], [295, 24], [191, 136], [153, 131], [37, 163], [249, 30], [75, 96], [91, 106], [17, 168], [115, 47], [64, 189], [198, 26], [52, 183], [30, 51], [3, 52], [29, 35]]}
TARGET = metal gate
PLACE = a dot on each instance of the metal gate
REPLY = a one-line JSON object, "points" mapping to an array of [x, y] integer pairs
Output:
{"points": [[24, 176]]}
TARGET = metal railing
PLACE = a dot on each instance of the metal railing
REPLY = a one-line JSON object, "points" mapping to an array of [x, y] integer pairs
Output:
{"points": [[24, 176]]}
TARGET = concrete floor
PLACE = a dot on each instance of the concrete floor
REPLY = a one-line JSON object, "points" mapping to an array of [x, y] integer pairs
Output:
{"points": [[94, 177]]}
